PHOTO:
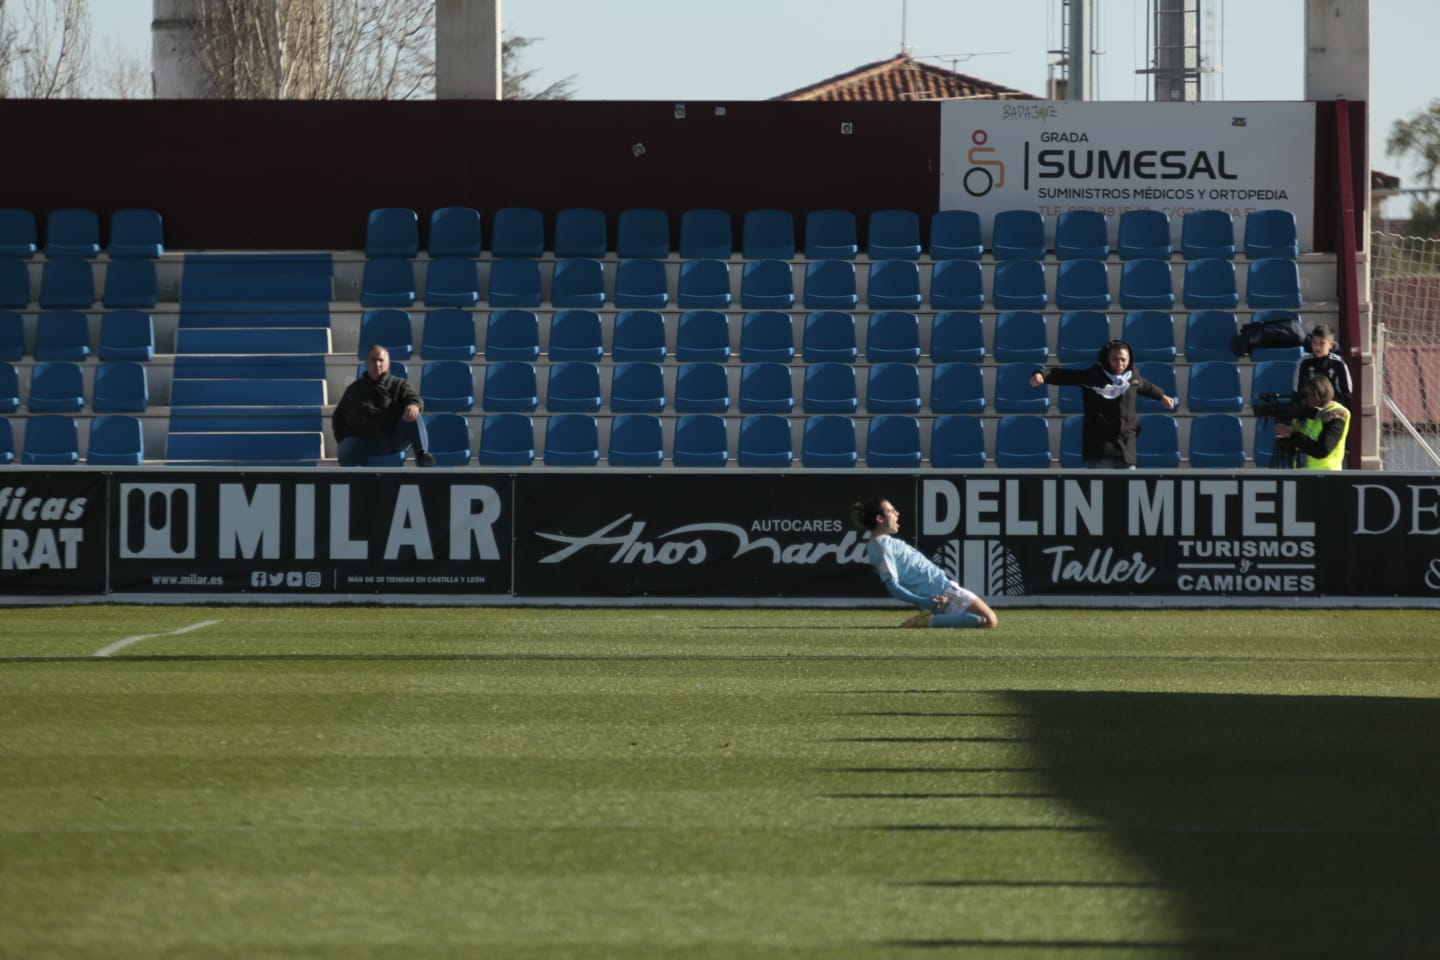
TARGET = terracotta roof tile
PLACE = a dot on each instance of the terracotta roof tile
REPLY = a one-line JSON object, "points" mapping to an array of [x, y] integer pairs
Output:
{"points": [[903, 78]]}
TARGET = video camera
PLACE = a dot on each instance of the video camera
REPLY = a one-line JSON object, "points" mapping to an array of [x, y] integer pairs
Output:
{"points": [[1282, 406]]}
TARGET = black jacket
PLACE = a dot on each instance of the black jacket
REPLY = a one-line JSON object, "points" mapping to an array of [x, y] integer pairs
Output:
{"points": [[1110, 425], [372, 408]]}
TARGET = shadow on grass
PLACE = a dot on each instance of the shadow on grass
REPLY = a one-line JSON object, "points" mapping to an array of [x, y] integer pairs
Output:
{"points": [[1284, 826]]}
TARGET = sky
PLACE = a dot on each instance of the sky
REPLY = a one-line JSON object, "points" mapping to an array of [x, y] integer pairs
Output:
{"points": [[686, 50]]}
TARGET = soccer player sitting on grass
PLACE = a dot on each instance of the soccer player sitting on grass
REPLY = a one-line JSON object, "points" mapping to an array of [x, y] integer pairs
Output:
{"points": [[911, 577]]}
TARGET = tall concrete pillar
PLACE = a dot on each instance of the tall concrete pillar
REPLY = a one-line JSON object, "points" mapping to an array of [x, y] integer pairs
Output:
{"points": [[175, 70], [467, 50]]}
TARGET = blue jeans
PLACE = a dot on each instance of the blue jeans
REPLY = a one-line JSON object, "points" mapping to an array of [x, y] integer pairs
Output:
{"points": [[354, 451]]}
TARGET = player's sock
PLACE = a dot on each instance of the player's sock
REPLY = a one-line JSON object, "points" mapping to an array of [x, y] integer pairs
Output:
{"points": [[964, 619]]}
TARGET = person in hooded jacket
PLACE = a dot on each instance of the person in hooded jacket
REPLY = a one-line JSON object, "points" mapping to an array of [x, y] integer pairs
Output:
{"points": [[1110, 388]]}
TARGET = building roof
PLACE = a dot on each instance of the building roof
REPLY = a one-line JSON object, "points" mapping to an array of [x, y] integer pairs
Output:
{"points": [[904, 78]]}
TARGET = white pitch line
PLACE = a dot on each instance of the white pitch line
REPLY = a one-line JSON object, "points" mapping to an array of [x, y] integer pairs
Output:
{"points": [[119, 645]]}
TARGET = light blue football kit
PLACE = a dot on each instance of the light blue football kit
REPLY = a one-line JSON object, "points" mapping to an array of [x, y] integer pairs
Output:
{"points": [[911, 577]]}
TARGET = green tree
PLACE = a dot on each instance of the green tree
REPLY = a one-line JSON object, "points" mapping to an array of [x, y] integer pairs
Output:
{"points": [[1419, 137]]}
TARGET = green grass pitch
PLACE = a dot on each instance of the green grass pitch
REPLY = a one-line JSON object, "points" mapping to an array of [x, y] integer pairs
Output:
{"points": [[366, 782]]}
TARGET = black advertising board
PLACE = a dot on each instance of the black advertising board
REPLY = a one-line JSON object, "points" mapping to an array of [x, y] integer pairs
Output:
{"points": [[52, 532]]}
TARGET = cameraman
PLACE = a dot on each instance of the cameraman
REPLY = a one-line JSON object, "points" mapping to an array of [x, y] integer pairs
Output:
{"points": [[1321, 433]]}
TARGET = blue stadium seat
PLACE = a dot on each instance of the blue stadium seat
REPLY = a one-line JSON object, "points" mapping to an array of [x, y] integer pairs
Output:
{"points": [[1260, 354], [1210, 285], [14, 284], [392, 232], [706, 235], [1272, 376], [829, 336], [580, 283], [955, 235], [12, 335], [704, 285], [702, 387], [768, 235], [1207, 234], [18, 237], [389, 328], [957, 335], [636, 440], [452, 282], [1019, 285], [512, 335], [893, 336], [1081, 335], [449, 438], [1021, 337], [1217, 441], [55, 387], [1264, 442], [454, 232], [9, 388], [51, 441], [447, 385], [1151, 335], [510, 387], [136, 232], [893, 285], [7, 442], [62, 335], [1145, 235], [764, 441], [641, 285], [957, 443], [1013, 393], [1271, 233], [121, 386], [572, 440], [638, 335], [1022, 441], [1145, 285], [830, 285], [507, 440], [956, 285], [576, 335], [72, 232], [1161, 374], [1072, 441], [1214, 387], [766, 388], [1157, 446], [767, 285], [637, 386], [1018, 235], [448, 335], [957, 388], [388, 282], [1273, 282], [828, 441], [893, 235], [67, 284], [130, 284], [829, 388], [1209, 334], [517, 232], [1082, 235], [1082, 285], [573, 386], [702, 335], [700, 441], [643, 234], [767, 335], [830, 235], [581, 232], [116, 439], [893, 441], [893, 388]]}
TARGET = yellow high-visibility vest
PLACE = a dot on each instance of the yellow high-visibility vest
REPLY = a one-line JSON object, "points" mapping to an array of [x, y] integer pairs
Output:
{"points": [[1313, 427]]}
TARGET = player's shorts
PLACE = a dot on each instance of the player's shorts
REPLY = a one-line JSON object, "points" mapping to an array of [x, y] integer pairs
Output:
{"points": [[962, 597]]}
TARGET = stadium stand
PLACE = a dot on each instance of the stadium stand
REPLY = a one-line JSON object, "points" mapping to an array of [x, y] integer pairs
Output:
{"points": [[893, 285], [700, 441], [830, 235], [1214, 387], [957, 335], [829, 388], [390, 282], [1157, 445], [573, 386], [830, 285], [767, 285], [893, 235], [1082, 235], [1217, 440], [1145, 285], [828, 440], [18, 236], [1022, 441], [1021, 337], [1273, 282], [829, 336], [1271, 233], [702, 335], [509, 387], [447, 334], [638, 335], [121, 386], [1018, 235], [955, 235], [452, 282], [636, 440], [703, 285], [957, 443], [62, 335], [510, 334], [72, 232], [766, 388], [1144, 235], [1019, 285], [637, 386], [454, 232], [706, 234], [579, 282], [767, 335], [893, 441], [1207, 234], [1210, 285], [447, 385], [115, 439], [56, 387], [892, 336], [893, 388], [572, 440], [507, 440], [702, 387], [51, 441], [765, 441], [136, 232], [957, 387], [576, 335], [392, 232], [956, 285], [1082, 285]]}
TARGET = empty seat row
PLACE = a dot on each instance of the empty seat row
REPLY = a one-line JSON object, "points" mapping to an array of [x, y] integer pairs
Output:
{"points": [[70, 284], [113, 440], [59, 386], [65, 335], [645, 233], [75, 233]]}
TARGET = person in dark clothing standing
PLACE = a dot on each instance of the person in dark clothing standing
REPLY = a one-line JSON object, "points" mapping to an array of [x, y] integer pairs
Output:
{"points": [[1110, 389], [379, 414], [1322, 362]]}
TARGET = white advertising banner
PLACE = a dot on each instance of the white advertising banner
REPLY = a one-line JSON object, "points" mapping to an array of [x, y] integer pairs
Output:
{"points": [[1054, 156]]}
